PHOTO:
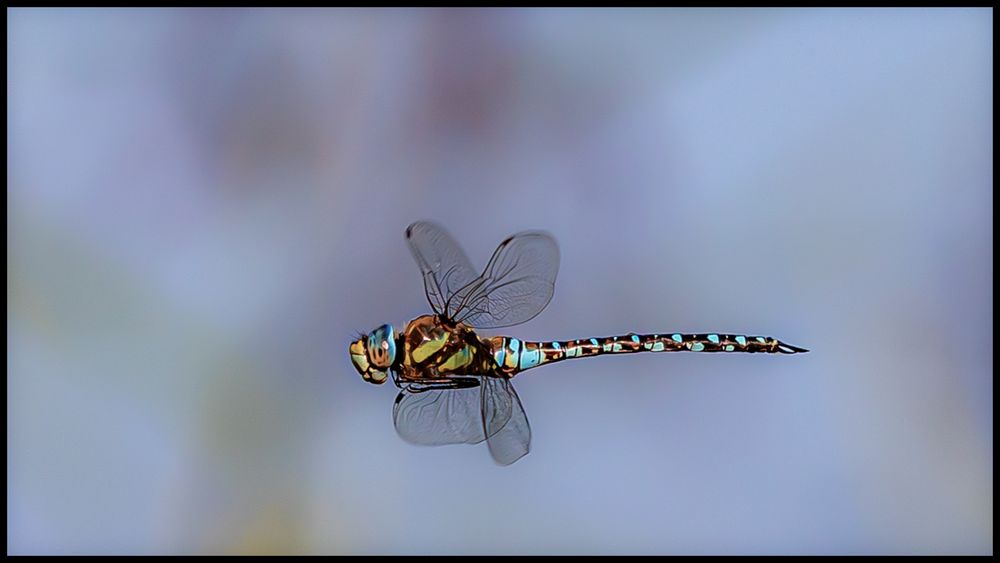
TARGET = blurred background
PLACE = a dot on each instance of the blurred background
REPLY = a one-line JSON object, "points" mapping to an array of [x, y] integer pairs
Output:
{"points": [[205, 206]]}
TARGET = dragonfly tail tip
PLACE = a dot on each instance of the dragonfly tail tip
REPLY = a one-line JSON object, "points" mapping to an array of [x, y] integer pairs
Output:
{"points": [[789, 349]]}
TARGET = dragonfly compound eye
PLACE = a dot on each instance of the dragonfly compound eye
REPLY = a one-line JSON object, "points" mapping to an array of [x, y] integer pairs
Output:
{"points": [[382, 347]]}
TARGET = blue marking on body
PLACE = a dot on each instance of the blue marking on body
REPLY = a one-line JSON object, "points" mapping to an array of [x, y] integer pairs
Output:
{"points": [[761, 339], [555, 345], [697, 346], [515, 345], [714, 338], [530, 358], [742, 340], [658, 347], [677, 338], [500, 354], [635, 338], [594, 341], [730, 347], [616, 348]]}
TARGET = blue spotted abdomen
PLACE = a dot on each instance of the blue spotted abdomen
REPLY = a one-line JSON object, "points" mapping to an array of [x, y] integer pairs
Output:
{"points": [[513, 355]]}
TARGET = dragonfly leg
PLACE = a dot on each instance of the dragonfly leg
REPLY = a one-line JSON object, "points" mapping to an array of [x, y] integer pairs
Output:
{"points": [[441, 384], [396, 379]]}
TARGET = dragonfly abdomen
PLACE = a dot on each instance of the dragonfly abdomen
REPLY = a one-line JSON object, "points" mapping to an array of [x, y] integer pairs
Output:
{"points": [[513, 355]]}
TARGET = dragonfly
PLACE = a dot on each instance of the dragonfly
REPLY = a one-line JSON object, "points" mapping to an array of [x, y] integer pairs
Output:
{"points": [[455, 385]]}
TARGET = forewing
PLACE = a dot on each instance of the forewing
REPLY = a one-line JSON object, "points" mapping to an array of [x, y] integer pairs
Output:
{"points": [[516, 285], [436, 416], [442, 262]]}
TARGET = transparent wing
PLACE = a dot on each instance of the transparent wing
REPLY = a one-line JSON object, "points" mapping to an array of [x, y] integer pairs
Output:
{"points": [[443, 264], [515, 286], [466, 414], [504, 421], [431, 416]]}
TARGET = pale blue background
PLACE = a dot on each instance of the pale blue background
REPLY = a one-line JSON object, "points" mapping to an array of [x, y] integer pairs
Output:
{"points": [[205, 206]]}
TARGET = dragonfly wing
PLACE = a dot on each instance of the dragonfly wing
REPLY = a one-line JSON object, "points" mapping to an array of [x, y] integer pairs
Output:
{"points": [[504, 421], [515, 286], [442, 262], [480, 408], [432, 416]]}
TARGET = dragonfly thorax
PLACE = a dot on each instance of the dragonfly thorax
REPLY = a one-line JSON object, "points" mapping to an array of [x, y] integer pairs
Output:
{"points": [[373, 354], [435, 349]]}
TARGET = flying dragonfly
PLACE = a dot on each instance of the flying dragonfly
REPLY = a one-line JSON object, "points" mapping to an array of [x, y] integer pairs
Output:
{"points": [[455, 384]]}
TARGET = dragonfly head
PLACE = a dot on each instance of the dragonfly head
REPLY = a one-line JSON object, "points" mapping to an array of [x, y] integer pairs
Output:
{"points": [[373, 354]]}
